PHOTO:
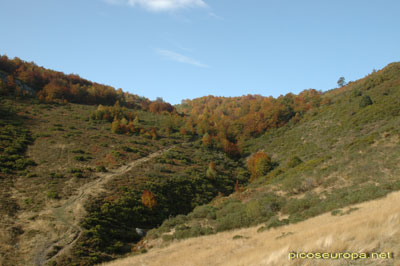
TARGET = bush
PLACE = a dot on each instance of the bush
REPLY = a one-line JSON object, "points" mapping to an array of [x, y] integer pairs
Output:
{"points": [[56, 175], [204, 211], [79, 151], [365, 101], [293, 162], [75, 170], [101, 169], [79, 175], [187, 232], [232, 221], [167, 238], [52, 194], [82, 158], [275, 222]]}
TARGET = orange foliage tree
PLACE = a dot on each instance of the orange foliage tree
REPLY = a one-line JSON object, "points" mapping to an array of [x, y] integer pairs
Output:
{"points": [[54, 86], [148, 199], [258, 164]]}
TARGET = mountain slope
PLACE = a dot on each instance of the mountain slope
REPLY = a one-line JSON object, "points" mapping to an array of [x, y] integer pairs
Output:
{"points": [[338, 154], [363, 228], [70, 196]]}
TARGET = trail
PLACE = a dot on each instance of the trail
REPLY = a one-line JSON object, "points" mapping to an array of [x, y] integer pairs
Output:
{"points": [[72, 210]]}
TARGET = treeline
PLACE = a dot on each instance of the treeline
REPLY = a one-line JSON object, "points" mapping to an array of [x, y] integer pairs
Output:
{"points": [[226, 122], [53, 86]]}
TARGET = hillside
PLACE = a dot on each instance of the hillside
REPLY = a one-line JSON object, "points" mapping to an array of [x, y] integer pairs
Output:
{"points": [[79, 174], [368, 227], [338, 154]]}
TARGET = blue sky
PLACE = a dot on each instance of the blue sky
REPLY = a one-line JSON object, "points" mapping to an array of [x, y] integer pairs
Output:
{"points": [[178, 49]]}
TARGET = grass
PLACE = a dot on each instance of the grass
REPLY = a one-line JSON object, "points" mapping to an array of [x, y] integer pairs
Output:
{"points": [[334, 156], [337, 155], [373, 227]]}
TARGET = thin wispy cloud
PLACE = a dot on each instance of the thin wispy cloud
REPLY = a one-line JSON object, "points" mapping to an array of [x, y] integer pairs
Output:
{"points": [[160, 5], [213, 15], [177, 57]]}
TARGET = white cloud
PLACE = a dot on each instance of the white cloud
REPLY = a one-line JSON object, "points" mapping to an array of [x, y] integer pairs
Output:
{"points": [[180, 58], [160, 5], [213, 15]]}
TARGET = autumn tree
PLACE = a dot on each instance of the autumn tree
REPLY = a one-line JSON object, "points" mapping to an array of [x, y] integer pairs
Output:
{"points": [[153, 133], [136, 121], [258, 165], [207, 140], [3, 89], [211, 170], [115, 126], [10, 84], [231, 149], [148, 199]]}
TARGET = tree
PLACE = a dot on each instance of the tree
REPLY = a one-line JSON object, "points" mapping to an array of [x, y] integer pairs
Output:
{"points": [[10, 84], [211, 171], [207, 140], [148, 199], [3, 89], [115, 126], [341, 82], [136, 121], [259, 164]]}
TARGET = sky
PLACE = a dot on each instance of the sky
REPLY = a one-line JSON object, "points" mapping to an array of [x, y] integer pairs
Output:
{"points": [[184, 49]]}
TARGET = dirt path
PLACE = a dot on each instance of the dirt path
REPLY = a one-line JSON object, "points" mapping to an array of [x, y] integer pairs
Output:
{"points": [[70, 211]]}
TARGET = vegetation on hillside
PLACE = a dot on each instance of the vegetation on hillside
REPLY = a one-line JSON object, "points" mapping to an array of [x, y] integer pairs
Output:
{"points": [[227, 122], [14, 139], [337, 154], [20, 78], [226, 163]]}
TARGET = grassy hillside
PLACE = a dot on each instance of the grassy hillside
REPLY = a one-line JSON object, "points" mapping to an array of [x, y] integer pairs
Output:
{"points": [[77, 179], [61, 165], [370, 227], [339, 154], [49, 151]]}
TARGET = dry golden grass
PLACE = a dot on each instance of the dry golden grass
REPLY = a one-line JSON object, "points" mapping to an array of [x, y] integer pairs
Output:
{"points": [[374, 227]]}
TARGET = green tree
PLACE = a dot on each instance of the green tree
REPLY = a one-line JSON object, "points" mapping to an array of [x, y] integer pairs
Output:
{"points": [[341, 82]]}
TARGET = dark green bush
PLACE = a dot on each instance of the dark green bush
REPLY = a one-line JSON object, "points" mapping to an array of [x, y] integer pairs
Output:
{"points": [[365, 101], [101, 169], [82, 158]]}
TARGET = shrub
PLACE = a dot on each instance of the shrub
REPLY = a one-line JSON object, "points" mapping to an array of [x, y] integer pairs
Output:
{"points": [[101, 169], [79, 175], [82, 158], [79, 151], [365, 101], [275, 222], [56, 175], [293, 162], [52, 194], [167, 238], [204, 211], [75, 170], [259, 164]]}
